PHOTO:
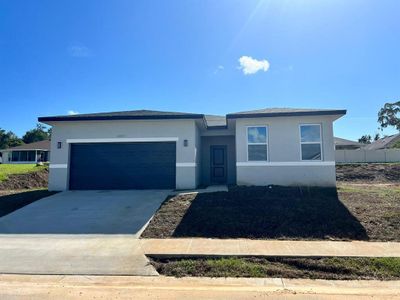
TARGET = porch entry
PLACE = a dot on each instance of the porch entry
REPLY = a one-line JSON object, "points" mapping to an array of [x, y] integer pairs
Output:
{"points": [[218, 166]]}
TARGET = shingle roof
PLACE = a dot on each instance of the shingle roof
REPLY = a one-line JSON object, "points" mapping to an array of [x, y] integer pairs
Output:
{"points": [[383, 143], [42, 145], [281, 112], [344, 142], [124, 115], [212, 121]]}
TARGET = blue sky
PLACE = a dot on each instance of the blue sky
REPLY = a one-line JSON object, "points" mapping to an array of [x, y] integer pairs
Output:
{"points": [[92, 56]]}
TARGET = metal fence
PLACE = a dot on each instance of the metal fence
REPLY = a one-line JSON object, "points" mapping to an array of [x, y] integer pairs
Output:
{"points": [[367, 156]]}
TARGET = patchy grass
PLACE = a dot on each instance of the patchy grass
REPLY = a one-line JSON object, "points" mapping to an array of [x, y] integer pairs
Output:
{"points": [[333, 268], [6, 170], [13, 200], [352, 212]]}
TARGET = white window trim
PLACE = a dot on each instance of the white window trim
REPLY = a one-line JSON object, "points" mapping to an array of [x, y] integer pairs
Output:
{"points": [[305, 143], [266, 143]]}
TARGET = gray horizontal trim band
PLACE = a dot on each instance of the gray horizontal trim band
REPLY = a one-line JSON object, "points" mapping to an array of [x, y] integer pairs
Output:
{"points": [[285, 164]]}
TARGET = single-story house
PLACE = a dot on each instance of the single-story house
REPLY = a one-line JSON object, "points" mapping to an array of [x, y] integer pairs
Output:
{"points": [[145, 149], [27, 153], [386, 142], [343, 144]]}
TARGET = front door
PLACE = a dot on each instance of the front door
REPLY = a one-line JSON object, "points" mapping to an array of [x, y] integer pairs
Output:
{"points": [[218, 164]]}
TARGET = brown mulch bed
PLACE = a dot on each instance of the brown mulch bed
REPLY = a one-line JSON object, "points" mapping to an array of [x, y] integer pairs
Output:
{"points": [[352, 213], [331, 268], [377, 173], [32, 180], [13, 200]]}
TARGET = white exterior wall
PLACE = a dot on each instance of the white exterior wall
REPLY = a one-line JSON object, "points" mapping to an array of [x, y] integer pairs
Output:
{"points": [[284, 165], [130, 129]]}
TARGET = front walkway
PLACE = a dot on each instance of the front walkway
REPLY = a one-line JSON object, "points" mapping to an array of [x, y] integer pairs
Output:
{"points": [[118, 287], [244, 247]]}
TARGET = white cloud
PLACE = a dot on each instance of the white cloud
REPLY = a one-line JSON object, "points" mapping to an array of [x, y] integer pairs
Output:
{"points": [[218, 69], [251, 65], [72, 112], [79, 51]]}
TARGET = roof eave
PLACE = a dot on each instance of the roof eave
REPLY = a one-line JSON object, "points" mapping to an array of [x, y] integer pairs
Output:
{"points": [[287, 114], [106, 118]]}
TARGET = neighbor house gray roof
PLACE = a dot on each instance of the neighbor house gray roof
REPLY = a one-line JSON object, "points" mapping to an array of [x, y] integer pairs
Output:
{"points": [[42, 145], [383, 143], [281, 112], [344, 142], [124, 115]]}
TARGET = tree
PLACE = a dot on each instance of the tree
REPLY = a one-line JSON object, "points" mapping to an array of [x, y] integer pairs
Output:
{"points": [[396, 145], [9, 139], [365, 139], [40, 133], [389, 115], [377, 136]]}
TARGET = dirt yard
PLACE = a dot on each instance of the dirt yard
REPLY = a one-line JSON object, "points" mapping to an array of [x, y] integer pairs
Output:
{"points": [[21, 185], [365, 206], [30, 180], [368, 173], [354, 213]]}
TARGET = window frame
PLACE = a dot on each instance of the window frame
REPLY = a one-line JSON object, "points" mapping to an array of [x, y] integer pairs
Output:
{"points": [[266, 142], [309, 143]]}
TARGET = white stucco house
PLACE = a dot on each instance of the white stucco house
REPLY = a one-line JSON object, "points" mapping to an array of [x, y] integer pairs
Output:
{"points": [[27, 153], [145, 149]]}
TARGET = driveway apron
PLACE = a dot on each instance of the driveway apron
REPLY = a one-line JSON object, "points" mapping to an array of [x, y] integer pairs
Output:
{"points": [[79, 233]]}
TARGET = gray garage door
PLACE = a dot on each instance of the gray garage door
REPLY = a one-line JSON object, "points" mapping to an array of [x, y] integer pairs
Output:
{"points": [[111, 166]]}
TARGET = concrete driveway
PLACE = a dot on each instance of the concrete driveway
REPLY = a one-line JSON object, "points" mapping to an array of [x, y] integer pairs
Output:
{"points": [[79, 233], [86, 212]]}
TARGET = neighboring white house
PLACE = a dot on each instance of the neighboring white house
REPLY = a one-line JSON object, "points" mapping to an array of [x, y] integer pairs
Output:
{"points": [[167, 150], [27, 153]]}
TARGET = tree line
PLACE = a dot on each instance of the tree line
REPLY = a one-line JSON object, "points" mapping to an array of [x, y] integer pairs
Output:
{"points": [[388, 116], [9, 139]]}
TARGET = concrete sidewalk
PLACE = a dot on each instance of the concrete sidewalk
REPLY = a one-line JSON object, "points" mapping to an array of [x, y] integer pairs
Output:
{"points": [[244, 247], [73, 255], [128, 287]]}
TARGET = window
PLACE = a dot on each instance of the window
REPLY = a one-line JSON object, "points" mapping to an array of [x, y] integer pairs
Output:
{"points": [[257, 137], [310, 140], [23, 156]]}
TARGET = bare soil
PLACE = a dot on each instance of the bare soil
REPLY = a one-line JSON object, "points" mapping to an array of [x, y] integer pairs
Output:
{"points": [[32, 180], [368, 173], [349, 213], [331, 268]]}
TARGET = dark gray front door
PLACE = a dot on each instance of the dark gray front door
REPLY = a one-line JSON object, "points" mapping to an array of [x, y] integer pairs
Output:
{"points": [[218, 164], [119, 166]]}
